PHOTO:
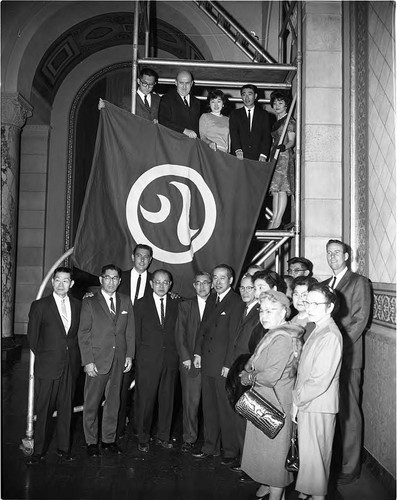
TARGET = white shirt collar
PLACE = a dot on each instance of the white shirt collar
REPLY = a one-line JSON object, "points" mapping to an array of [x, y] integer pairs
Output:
{"points": [[142, 96], [223, 295]]}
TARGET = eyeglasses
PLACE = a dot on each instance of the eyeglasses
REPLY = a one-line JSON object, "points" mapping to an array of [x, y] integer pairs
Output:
{"points": [[159, 283], [147, 85], [315, 304], [246, 288], [295, 271], [297, 294], [202, 283], [108, 278]]}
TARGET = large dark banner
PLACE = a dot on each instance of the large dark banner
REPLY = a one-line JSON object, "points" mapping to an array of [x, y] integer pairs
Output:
{"points": [[194, 206]]}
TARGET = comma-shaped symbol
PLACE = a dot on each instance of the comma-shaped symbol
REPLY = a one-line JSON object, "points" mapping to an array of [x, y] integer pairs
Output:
{"points": [[184, 233]]}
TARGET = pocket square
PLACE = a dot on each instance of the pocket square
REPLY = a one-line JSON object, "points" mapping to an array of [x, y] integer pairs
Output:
{"points": [[223, 313], [124, 312]]}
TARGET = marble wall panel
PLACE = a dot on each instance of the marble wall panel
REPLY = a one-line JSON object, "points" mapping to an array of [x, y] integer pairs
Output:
{"points": [[323, 71], [323, 105], [323, 142], [320, 177]]}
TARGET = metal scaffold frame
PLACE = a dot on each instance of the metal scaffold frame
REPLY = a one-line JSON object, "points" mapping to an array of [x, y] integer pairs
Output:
{"points": [[267, 75]]}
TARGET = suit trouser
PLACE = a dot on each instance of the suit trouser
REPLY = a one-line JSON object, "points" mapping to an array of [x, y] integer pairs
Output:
{"points": [[51, 394], [240, 426], [126, 400], [108, 384], [160, 385], [191, 395], [350, 420], [218, 418]]}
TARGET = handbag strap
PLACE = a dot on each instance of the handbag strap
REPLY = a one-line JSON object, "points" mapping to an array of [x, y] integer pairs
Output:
{"points": [[275, 393]]}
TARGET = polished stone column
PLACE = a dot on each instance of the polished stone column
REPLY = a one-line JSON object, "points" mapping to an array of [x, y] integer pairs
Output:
{"points": [[14, 112]]}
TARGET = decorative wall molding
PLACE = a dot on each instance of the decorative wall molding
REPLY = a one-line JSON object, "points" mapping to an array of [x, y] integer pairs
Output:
{"points": [[384, 306]]}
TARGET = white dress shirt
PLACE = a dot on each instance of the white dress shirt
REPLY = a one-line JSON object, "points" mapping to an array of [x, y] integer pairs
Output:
{"points": [[134, 280], [158, 304], [107, 298], [58, 302]]}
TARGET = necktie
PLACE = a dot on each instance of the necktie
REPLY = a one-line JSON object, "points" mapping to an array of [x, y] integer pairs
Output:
{"points": [[112, 309], [217, 300], [162, 316], [332, 283], [249, 119], [246, 312], [138, 286], [64, 315], [185, 101], [147, 105]]}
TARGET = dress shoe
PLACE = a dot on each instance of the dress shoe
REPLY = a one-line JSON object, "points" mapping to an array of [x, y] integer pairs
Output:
{"points": [[144, 447], [201, 454], [93, 450], [230, 461], [111, 448], [244, 478], [65, 455], [236, 468], [186, 446], [35, 459], [164, 444]]}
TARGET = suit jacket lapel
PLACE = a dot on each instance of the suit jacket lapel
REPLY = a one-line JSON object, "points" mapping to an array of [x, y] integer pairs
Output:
{"points": [[54, 308], [102, 302], [344, 280]]}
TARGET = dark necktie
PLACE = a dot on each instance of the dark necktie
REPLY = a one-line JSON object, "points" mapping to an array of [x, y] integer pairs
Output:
{"points": [[138, 286], [249, 119], [162, 316], [147, 105], [332, 283], [246, 312], [217, 300], [185, 101], [112, 309]]}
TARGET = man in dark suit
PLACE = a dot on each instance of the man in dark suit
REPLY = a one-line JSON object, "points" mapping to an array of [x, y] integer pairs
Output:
{"points": [[136, 284], [239, 346], [352, 315], [147, 101], [250, 128], [179, 109], [107, 344], [52, 337], [219, 325], [189, 319], [156, 360]]}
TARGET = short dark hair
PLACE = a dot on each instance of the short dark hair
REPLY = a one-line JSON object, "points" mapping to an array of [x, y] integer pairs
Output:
{"points": [[249, 86], [229, 269], [157, 271], [63, 269], [110, 267], [281, 95], [345, 248], [201, 273], [144, 247], [214, 94], [303, 281], [148, 72], [273, 279], [329, 294], [305, 262]]}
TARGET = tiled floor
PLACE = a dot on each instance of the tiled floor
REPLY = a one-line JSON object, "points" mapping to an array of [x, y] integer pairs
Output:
{"points": [[159, 475]]}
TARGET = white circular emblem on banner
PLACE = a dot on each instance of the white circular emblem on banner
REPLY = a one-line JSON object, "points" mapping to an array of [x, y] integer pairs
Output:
{"points": [[184, 233]]}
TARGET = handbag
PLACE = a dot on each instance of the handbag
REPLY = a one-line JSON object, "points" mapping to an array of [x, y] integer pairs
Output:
{"points": [[263, 414], [292, 460]]}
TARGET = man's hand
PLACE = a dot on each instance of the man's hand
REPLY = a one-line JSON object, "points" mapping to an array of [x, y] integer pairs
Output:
{"points": [[155, 121], [88, 294], [213, 146], [244, 378], [239, 154], [262, 158], [187, 364], [127, 365], [174, 295], [91, 370], [224, 371], [190, 133], [101, 104], [197, 361]]}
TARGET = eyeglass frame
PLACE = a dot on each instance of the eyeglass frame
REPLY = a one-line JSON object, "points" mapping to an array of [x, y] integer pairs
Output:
{"points": [[308, 304], [246, 288], [159, 283], [108, 278]]}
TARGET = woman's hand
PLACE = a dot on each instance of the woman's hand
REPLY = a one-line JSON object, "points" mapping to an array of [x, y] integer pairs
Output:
{"points": [[213, 146]]}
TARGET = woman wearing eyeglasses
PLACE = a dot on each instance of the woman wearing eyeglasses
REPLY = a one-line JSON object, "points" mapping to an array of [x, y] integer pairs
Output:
{"points": [[272, 370], [316, 393], [299, 294]]}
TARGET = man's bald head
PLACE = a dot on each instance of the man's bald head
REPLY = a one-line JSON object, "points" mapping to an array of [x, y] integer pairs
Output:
{"points": [[184, 83]]}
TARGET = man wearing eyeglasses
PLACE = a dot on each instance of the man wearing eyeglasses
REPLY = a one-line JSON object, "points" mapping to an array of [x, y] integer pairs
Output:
{"points": [[352, 314], [300, 266], [147, 101], [179, 109], [156, 360], [107, 345], [189, 319]]}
